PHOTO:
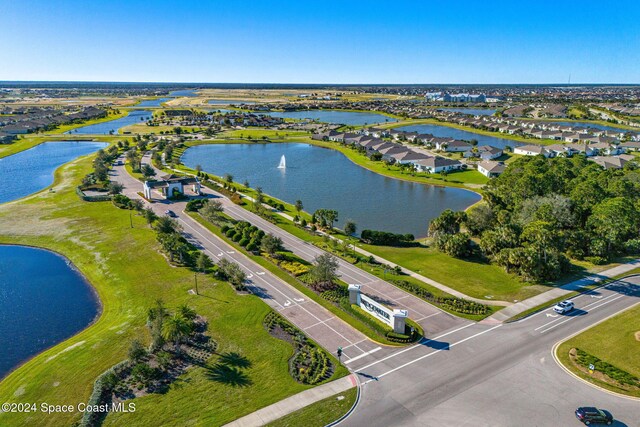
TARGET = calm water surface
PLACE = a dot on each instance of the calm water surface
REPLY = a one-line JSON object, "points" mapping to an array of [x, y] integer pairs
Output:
{"points": [[324, 178], [152, 102], [448, 132], [43, 301], [336, 117], [32, 170], [134, 116]]}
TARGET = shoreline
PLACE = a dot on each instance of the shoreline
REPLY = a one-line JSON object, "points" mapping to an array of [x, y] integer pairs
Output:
{"points": [[94, 292]]}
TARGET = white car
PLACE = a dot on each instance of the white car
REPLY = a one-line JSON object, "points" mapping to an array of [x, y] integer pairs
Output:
{"points": [[563, 307]]}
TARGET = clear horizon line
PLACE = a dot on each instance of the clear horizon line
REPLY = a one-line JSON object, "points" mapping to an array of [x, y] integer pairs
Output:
{"points": [[321, 84]]}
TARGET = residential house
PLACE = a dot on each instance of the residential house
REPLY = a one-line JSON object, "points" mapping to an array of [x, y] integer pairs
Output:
{"points": [[532, 150], [491, 169], [437, 164]]}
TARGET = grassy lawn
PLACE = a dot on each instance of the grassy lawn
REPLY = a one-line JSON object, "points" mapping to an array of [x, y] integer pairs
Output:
{"points": [[284, 276], [258, 133], [129, 274], [320, 413], [615, 341], [475, 279]]}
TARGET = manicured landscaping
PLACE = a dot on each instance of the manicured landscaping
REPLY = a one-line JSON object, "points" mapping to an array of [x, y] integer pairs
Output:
{"points": [[612, 347], [320, 413], [129, 273]]}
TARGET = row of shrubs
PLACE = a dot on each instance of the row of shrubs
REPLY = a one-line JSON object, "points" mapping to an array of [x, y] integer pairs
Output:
{"points": [[246, 235], [385, 238], [101, 198], [457, 305], [585, 359], [102, 389], [310, 364]]}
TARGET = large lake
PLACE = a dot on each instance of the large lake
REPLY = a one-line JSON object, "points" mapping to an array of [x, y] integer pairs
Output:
{"points": [[449, 132], [474, 111], [350, 118], [43, 301], [32, 170], [104, 128], [325, 178]]}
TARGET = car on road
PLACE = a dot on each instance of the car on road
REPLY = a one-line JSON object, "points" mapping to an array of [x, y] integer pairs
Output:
{"points": [[170, 213], [563, 307], [590, 415]]}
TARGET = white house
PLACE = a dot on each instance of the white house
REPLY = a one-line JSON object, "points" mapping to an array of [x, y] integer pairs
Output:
{"points": [[490, 168], [170, 185], [533, 150], [453, 146], [437, 164]]}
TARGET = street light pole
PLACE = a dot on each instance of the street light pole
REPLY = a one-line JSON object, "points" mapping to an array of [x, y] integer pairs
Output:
{"points": [[195, 277], [130, 220]]}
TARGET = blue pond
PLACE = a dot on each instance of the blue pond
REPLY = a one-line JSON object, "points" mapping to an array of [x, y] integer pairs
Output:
{"points": [[449, 132], [336, 117], [32, 170], [474, 111], [152, 102], [43, 301], [183, 92], [104, 128], [325, 178]]}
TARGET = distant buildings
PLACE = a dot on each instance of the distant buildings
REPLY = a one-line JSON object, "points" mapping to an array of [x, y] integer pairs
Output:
{"points": [[458, 98]]}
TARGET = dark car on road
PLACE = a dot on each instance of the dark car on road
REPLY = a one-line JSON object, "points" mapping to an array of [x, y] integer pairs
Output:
{"points": [[172, 214], [591, 415]]}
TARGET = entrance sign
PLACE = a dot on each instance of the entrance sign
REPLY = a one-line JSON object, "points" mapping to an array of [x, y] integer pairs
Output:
{"points": [[396, 319]]}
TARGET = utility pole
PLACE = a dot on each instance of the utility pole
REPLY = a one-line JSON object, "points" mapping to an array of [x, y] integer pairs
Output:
{"points": [[195, 277], [130, 220]]}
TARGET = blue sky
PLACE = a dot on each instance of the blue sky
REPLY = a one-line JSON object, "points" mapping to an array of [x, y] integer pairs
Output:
{"points": [[321, 41]]}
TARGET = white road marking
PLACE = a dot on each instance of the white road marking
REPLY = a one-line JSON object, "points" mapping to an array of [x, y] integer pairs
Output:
{"points": [[413, 347], [551, 315], [363, 355], [431, 354], [573, 317]]}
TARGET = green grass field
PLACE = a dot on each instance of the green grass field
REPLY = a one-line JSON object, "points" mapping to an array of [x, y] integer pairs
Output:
{"points": [[615, 341], [475, 279], [129, 274], [319, 414]]}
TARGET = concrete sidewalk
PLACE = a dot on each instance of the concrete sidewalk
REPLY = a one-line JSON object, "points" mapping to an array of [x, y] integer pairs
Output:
{"points": [[522, 306], [381, 260], [297, 401]]}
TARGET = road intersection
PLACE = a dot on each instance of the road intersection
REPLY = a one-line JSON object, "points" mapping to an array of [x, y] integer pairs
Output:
{"points": [[464, 374]]}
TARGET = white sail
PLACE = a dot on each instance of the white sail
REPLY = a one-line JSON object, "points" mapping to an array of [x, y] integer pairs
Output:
{"points": [[283, 163]]}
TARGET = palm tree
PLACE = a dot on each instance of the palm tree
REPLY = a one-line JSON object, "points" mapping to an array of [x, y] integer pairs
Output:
{"points": [[175, 328]]}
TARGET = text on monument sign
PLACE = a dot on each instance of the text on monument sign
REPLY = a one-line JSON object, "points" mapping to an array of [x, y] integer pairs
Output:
{"points": [[377, 310]]}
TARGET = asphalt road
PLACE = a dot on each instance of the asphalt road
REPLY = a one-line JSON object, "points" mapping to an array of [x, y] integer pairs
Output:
{"points": [[465, 374], [493, 374], [317, 322]]}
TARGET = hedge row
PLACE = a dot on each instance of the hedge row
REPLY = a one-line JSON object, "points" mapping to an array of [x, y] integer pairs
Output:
{"points": [[623, 377], [101, 394], [458, 305], [101, 198]]}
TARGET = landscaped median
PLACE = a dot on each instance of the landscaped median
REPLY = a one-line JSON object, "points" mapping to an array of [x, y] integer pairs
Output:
{"points": [[437, 297], [606, 355], [334, 302]]}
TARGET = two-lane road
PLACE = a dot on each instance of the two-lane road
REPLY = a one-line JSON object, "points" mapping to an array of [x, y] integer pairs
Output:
{"points": [[493, 374]]}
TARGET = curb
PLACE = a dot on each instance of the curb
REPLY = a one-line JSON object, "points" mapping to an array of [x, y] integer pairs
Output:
{"points": [[554, 351], [353, 408]]}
